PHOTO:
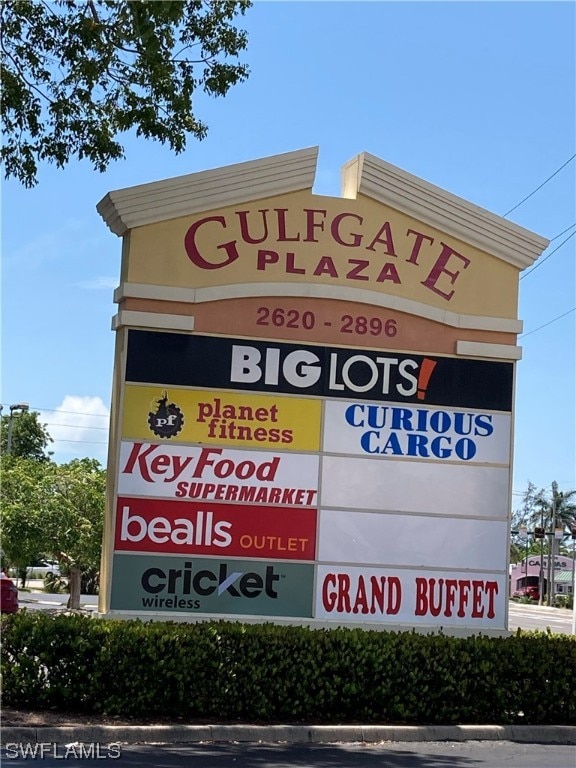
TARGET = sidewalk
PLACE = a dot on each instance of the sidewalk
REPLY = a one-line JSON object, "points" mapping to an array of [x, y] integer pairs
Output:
{"points": [[38, 597], [291, 734]]}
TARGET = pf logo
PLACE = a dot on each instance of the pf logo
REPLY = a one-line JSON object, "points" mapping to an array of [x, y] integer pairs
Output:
{"points": [[165, 419]]}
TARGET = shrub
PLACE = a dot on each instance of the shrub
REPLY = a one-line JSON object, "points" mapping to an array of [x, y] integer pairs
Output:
{"points": [[270, 673]]}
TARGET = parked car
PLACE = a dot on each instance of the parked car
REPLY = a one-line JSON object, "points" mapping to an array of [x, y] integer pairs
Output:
{"points": [[532, 592], [8, 595], [44, 567]]}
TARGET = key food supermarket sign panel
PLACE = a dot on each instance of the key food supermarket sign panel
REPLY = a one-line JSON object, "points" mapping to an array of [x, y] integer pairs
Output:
{"points": [[313, 400]]}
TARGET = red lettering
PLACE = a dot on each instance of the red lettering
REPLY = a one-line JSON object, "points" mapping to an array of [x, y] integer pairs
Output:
{"points": [[335, 230], [492, 590], [243, 216], [477, 595], [388, 272], [193, 252], [266, 257], [312, 224], [421, 596], [282, 236], [326, 267], [354, 273], [451, 588], [344, 605], [439, 268], [417, 245], [464, 586], [136, 456], [290, 267], [361, 601], [387, 241], [329, 598]]}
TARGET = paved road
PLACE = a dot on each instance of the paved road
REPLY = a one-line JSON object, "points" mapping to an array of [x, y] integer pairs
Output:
{"points": [[525, 616], [470, 754]]}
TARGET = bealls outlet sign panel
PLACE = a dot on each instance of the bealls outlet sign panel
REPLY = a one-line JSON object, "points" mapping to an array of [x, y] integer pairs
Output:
{"points": [[313, 400]]}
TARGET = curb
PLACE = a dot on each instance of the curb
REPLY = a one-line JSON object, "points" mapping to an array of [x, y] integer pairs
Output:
{"points": [[293, 734]]}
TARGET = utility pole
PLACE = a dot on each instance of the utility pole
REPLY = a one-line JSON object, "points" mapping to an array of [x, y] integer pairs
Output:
{"points": [[22, 407], [551, 548]]}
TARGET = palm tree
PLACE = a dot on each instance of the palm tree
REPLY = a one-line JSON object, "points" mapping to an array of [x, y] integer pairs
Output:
{"points": [[554, 510]]}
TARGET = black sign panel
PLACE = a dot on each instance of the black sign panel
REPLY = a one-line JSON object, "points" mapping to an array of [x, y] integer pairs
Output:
{"points": [[267, 366]]}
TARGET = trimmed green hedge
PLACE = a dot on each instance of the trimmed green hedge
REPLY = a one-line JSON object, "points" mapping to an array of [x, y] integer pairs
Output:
{"points": [[268, 673]]}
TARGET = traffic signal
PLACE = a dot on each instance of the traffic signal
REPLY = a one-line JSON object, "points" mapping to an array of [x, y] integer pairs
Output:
{"points": [[538, 533], [573, 529]]}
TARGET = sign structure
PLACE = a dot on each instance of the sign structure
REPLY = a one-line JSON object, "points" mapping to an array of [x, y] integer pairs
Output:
{"points": [[312, 412]]}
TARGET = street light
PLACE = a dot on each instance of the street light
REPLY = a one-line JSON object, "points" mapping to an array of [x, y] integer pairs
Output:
{"points": [[22, 407]]}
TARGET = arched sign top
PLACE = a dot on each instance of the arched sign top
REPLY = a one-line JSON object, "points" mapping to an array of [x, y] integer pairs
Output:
{"points": [[364, 175]]}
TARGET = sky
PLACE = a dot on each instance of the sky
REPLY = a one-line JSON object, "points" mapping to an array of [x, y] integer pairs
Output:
{"points": [[475, 97]]}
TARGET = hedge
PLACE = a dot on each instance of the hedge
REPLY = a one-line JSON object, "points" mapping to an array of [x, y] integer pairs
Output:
{"points": [[282, 674]]}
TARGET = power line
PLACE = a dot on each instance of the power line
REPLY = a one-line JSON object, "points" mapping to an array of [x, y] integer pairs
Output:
{"points": [[545, 324], [73, 413], [548, 256], [90, 442], [73, 426], [540, 187], [562, 233]]}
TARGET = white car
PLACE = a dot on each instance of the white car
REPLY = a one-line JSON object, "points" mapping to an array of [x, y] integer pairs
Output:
{"points": [[45, 567]]}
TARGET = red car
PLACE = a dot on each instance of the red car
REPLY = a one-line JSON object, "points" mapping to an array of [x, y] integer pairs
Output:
{"points": [[531, 592], [8, 595]]}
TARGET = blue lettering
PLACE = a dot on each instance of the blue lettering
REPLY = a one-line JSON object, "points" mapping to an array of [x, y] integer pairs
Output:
{"points": [[437, 450], [394, 444], [350, 415], [366, 441], [401, 419], [484, 421], [440, 421], [373, 420], [465, 448], [459, 423], [417, 446]]}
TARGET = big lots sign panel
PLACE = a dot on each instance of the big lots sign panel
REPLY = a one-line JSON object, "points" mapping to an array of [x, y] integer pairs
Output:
{"points": [[181, 359]]}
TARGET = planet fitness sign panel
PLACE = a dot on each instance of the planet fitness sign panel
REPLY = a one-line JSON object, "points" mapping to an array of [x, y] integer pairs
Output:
{"points": [[258, 421]]}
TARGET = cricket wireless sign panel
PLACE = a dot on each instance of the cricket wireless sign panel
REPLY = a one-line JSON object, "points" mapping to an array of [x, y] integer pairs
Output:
{"points": [[312, 409]]}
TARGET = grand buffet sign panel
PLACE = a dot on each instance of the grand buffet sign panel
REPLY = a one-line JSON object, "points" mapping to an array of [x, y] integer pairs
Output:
{"points": [[313, 400]]}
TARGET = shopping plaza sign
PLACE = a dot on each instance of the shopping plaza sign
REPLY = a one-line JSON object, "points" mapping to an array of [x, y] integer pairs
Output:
{"points": [[313, 400]]}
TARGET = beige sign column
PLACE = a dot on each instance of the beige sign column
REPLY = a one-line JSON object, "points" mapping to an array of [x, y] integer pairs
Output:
{"points": [[312, 415]]}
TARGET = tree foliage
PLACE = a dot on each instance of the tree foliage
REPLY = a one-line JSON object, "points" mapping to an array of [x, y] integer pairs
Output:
{"points": [[54, 510], [29, 439], [546, 508], [76, 75]]}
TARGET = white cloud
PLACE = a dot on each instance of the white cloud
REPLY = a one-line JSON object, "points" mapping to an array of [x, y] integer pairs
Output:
{"points": [[97, 283], [79, 428]]}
